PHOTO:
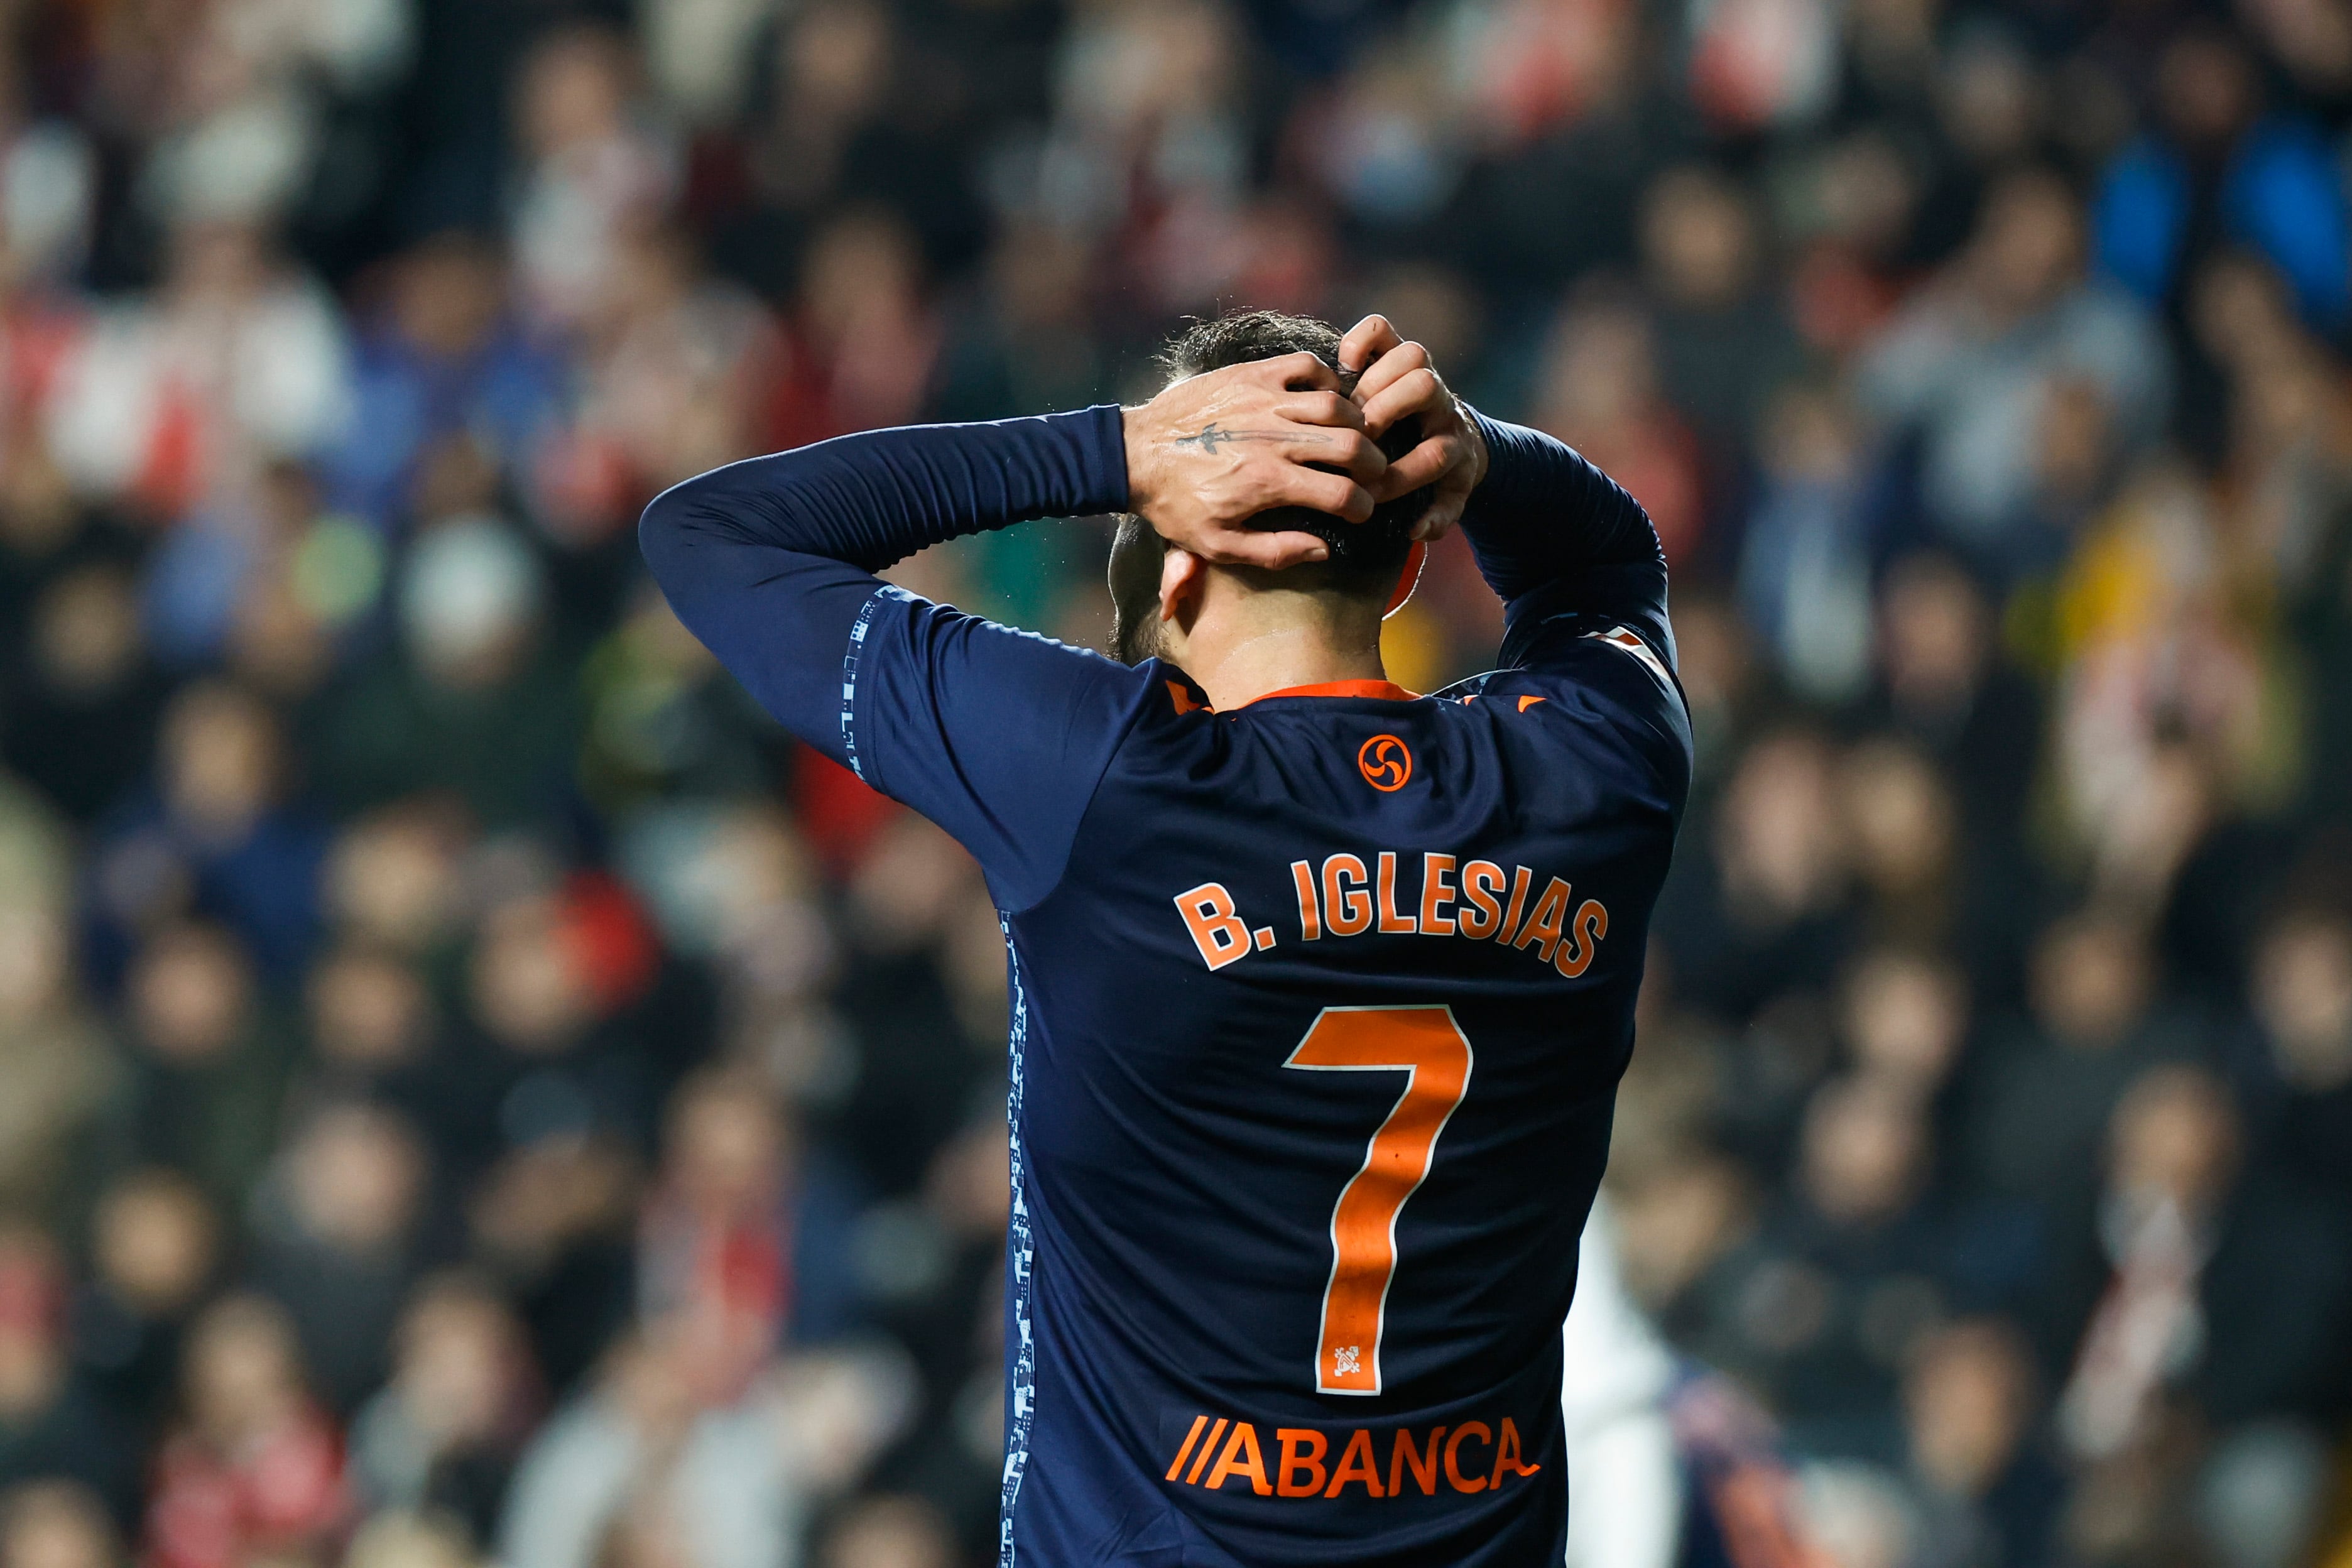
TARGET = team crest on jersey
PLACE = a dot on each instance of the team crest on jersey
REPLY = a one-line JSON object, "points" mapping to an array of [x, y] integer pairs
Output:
{"points": [[1385, 762]]}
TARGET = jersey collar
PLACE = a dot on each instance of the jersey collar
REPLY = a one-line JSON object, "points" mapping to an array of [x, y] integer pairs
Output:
{"points": [[1384, 691]]}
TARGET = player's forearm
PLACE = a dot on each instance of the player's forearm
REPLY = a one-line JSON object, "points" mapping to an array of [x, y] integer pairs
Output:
{"points": [[771, 561], [1544, 514], [870, 500]]}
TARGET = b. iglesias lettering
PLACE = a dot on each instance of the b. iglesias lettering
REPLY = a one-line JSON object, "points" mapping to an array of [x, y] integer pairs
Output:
{"points": [[1350, 895]]}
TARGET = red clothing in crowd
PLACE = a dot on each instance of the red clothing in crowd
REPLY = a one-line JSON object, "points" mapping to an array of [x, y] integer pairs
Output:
{"points": [[212, 1509]]}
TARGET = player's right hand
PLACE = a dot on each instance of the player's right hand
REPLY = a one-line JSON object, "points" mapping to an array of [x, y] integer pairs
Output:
{"points": [[1396, 380], [1215, 451]]}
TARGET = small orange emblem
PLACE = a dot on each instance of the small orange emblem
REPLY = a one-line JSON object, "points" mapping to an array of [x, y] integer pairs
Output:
{"points": [[1385, 764]]}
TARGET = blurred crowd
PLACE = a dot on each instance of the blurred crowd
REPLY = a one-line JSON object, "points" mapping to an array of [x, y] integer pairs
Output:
{"points": [[471, 1090]]}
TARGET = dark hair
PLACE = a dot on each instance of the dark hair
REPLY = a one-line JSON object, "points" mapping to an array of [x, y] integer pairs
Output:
{"points": [[1365, 556]]}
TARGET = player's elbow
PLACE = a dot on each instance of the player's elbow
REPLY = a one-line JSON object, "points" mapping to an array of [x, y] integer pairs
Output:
{"points": [[663, 528], [1633, 532]]}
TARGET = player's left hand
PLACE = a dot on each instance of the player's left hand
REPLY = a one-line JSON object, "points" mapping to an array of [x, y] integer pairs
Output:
{"points": [[1215, 451], [1397, 380]]}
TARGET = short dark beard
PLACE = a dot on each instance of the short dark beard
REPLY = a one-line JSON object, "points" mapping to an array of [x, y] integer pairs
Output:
{"points": [[1134, 638]]}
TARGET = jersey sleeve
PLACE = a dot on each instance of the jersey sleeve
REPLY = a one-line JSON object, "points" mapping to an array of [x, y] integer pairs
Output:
{"points": [[1582, 579], [998, 736]]}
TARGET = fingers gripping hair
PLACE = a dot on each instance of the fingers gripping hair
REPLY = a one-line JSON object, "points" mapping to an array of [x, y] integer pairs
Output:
{"points": [[1366, 555]]}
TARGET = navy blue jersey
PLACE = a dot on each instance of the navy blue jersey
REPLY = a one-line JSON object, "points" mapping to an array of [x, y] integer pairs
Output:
{"points": [[1319, 1005]]}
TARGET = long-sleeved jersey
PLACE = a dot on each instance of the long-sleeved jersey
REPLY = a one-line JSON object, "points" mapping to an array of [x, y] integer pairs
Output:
{"points": [[1319, 1005]]}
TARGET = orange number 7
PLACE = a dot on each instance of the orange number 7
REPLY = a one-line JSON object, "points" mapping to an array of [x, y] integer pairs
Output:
{"points": [[1429, 1048]]}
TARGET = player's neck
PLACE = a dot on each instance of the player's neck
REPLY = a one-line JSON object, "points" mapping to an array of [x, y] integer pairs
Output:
{"points": [[1240, 664]]}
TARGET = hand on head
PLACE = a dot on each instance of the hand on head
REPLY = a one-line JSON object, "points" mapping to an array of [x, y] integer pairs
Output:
{"points": [[1215, 451], [1398, 382]]}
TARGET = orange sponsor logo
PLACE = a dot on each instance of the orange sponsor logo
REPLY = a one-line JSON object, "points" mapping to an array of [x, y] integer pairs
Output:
{"points": [[1385, 763], [1471, 1459]]}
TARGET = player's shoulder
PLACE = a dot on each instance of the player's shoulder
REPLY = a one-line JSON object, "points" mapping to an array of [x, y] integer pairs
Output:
{"points": [[923, 679], [937, 637], [1608, 684]]}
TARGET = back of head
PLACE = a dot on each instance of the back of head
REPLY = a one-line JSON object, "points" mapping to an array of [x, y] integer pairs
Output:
{"points": [[1366, 557]]}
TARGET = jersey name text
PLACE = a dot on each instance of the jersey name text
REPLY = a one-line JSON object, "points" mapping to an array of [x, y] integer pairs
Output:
{"points": [[1348, 896]]}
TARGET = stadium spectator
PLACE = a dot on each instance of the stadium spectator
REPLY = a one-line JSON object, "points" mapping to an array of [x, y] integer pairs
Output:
{"points": [[743, 1241], [391, 878], [208, 1064], [1778, 911], [2192, 1277], [50, 1425], [2215, 165], [394, 1538], [155, 1250], [1804, 562], [1941, 683], [254, 1466], [55, 1055], [57, 1524], [1971, 367], [1986, 1485], [640, 1468], [442, 1437], [2051, 1088], [1845, 1276], [1725, 342], [1601, 392], [446, 358], [337, 1242], [236, 360], [87, 696], [371, 1030], [888, 1533], [478, 708], [217, 838], [554, 1222], [2299, 1089]]}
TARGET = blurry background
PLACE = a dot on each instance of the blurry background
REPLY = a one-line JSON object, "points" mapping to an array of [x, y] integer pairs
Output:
{"points": [[470, 1091]]}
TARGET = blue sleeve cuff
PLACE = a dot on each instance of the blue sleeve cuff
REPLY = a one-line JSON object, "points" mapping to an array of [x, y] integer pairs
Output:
{"points": [[1099, 435]]}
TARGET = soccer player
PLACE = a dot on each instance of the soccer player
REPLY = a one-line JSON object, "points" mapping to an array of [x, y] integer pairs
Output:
{"points": [[1320, 989]]}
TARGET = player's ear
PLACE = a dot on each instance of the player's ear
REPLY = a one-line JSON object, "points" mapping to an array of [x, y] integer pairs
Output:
{"points": [[1181, 574]]}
